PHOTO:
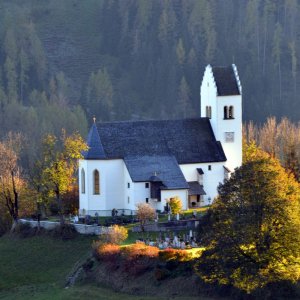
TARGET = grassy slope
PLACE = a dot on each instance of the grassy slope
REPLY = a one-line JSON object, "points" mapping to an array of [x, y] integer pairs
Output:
{"points": [[36, 268]]}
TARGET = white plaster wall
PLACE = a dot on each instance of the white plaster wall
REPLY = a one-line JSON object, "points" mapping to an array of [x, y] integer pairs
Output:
{"points": [[208, 95], [233, 151], [167, 194], [211, 179], [128, 195], [83, 198], [111, 184], [141, 193]]}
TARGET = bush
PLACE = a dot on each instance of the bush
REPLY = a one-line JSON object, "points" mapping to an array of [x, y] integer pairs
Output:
{"points": [[65, 232], [5, 223], [53, 207], [116, 235], [24, 230], [105, 252], [175, 254], [139, 258], [139, 250]]}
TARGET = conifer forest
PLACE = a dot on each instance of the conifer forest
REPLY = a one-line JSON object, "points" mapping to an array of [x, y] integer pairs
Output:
{"points": [[62, 62]]}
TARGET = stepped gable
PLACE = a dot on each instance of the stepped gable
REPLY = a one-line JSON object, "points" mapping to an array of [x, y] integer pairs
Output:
{"points": [[95, 150], [188, 140], [226, 81], [165, 168]]}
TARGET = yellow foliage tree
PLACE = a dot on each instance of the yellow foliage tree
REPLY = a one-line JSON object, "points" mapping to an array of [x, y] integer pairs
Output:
{"points": [[175, 205], [60, 161], [252, 235]]}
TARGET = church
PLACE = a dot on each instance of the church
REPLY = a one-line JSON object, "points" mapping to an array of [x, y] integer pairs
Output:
{"points": [[132, 162]]}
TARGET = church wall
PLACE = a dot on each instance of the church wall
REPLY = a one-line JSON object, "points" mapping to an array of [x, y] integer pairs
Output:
{"points": [[208, 94], [111, 184], [141, 193], [83, 198], [211, 178], [128, 196]]}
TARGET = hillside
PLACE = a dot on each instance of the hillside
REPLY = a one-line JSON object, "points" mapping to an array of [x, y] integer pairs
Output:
{"points": [[37, 267], [63, 61]]}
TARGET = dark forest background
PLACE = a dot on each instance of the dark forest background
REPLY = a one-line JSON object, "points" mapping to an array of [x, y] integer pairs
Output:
{"points": [[61, 62]]}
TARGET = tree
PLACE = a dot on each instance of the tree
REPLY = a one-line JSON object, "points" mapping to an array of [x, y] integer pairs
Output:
{"points": [[145, 212], [11, 182], [60, 161], [252, 231], [100, 94], [175, 205], [184, 105]]}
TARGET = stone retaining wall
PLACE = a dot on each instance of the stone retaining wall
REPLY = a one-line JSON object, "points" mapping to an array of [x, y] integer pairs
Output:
{"points": [[80, 228]]}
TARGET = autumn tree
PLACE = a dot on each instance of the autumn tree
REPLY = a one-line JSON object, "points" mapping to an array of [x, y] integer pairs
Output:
{"points": [[145, 212], [252, 231], [11, 182], [279, 139], [60, 162], [175, 205]]}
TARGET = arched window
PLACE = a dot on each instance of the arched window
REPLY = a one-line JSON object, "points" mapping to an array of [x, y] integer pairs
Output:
{"points": [[82, 181], [96, 182], [226, 112], [231, 112]]}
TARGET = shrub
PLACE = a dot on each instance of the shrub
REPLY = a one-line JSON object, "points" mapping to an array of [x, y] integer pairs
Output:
{"points": [[71, 201], [24, 230], [175, 254], [105, 252], [65, 232], [5, 223], [139, 258], [53, 207], [140, 250], [116, 235]]}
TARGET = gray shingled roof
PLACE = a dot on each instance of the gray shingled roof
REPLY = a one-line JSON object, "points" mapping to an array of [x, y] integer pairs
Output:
{"points": [[142, 168], [196, 188], [188, 140], [225, 81]]}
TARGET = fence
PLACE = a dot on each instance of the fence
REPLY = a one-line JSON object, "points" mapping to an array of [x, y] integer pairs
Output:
{"points": [[169, 226]]}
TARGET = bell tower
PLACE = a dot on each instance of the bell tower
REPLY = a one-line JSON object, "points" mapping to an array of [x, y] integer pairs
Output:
{"points": [[221, 102]]}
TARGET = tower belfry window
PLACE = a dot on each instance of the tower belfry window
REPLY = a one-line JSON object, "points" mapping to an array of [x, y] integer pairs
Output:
{"points": [[231, 112], [208, 112], [226, 113]]}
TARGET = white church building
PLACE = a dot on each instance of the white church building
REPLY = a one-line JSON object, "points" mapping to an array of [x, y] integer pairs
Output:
{"points": [[152, 161]]}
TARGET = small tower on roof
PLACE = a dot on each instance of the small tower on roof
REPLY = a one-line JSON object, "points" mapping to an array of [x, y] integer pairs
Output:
{"points": [[221, 102], [96, 150]]}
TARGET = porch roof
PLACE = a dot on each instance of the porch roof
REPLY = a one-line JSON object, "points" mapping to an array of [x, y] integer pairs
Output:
{"points": [[196, 188]]}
